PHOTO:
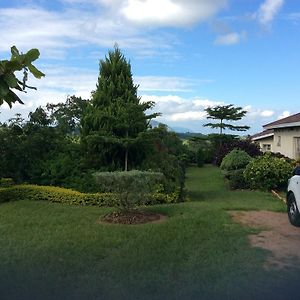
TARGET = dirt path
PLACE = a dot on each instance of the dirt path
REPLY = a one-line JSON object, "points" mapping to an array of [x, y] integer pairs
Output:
{"points": [[277, 235]]}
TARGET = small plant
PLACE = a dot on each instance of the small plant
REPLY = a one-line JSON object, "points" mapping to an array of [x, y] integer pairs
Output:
{"points": [[268, 172], [234, 160], [234, 164], [133, 188]]}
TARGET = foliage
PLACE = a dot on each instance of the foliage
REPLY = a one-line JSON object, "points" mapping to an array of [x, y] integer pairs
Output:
{"points": [[237, 180], [204, 145], [55, 194], [113, 122], [267, 172], [246, 145], [66, 116], [200, 158], [8, 79], [228, 113], [6, 182], [234, 164], [132, 188], [234, 160], [167, 154], [9, 192]]}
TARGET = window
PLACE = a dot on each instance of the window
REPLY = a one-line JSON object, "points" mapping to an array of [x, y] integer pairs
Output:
{"points": [[279, 141], [266, 147]]}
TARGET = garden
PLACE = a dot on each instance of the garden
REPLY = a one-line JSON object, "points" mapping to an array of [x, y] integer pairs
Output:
{"points": [[62, 251]]}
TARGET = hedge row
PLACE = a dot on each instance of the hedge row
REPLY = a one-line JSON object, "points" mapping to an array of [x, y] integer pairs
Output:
{"points": [[68, 196]]}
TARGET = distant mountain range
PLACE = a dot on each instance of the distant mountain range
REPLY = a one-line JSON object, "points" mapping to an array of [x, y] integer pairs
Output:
{"points": [[176, 128]]}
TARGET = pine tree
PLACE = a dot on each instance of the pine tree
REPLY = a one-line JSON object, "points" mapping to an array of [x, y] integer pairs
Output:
{"points": [[116, 117]]}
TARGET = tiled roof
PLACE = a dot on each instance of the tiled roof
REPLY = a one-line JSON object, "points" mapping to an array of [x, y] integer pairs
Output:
{"points": [[284, 122], [263, 134]]}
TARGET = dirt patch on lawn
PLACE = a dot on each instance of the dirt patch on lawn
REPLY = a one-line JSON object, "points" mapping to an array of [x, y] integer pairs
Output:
{"points": [[277, 235], [133, 218]]}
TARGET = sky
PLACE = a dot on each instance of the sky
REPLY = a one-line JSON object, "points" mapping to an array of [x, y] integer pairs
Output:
{"points": [[186, 55]]}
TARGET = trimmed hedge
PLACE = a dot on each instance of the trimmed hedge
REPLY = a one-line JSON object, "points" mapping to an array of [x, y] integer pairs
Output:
{"points": [[55, 194], [68, 196]]}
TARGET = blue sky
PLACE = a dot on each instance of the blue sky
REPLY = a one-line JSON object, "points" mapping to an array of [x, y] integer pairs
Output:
{"points": [[186, 55]]}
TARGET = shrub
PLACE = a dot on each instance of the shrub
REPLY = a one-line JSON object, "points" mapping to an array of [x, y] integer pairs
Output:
{"points": [[132, 188], [237, 180], [6, 182], [234, 160], [268, 172], [200, 158], [55, 194], [247, 145]]}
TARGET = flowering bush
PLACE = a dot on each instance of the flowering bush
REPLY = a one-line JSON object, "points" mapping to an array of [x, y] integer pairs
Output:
{"points": [[268, 172]]}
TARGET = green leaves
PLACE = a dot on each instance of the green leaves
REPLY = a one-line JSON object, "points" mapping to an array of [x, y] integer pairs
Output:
{"points": [[9, 81], [35, 72], [226, 112], [31, 56]]}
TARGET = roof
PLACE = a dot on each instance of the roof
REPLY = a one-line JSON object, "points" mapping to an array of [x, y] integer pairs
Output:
{"points": [[290, 121], [262, 135]]}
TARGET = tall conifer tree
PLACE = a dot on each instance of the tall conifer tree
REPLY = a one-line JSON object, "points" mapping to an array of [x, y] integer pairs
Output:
{"points": [[116, 117]]}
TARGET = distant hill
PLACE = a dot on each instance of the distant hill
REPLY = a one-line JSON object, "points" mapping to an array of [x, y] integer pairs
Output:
{"points": [[176, 129], [187, 135]]}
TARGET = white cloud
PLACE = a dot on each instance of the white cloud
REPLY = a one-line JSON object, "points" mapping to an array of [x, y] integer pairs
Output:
{"points": [[170, 12], [267, 113], [167, 83], [205, 103], [268, 11], [230, 38], [255, 113], [284, 114], [56, 32], [109, 21], [177, 109], [187, 116]]}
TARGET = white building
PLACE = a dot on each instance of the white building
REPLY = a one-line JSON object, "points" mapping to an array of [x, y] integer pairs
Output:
{"points": [[281, 136]]}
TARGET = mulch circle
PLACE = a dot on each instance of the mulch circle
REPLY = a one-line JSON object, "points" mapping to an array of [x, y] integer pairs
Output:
{"points": [[133, 217]]}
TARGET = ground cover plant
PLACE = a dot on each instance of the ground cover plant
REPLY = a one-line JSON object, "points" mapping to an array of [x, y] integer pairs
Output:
{"points": [[57, 251]]}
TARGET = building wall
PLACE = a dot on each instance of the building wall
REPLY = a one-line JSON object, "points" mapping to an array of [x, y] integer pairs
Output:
{"points": [[287, 142], [266, 144]]}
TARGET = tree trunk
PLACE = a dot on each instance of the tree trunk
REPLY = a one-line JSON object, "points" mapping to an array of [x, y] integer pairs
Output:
{"points": [[126, 153], [221, 129], [126, 159]]}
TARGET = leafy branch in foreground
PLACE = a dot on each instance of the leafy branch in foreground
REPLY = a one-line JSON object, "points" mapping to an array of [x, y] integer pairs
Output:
{"points": [[8, 79]]}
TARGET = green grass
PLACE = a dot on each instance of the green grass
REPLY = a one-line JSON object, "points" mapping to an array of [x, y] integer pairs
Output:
{"points": [[55, 251]]}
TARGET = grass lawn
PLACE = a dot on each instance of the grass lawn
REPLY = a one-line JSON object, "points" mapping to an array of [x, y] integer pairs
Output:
{"points": [[55, 251]]}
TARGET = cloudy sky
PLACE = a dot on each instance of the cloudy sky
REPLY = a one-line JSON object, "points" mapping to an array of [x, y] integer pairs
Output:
{"points": [[186, 55]]}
